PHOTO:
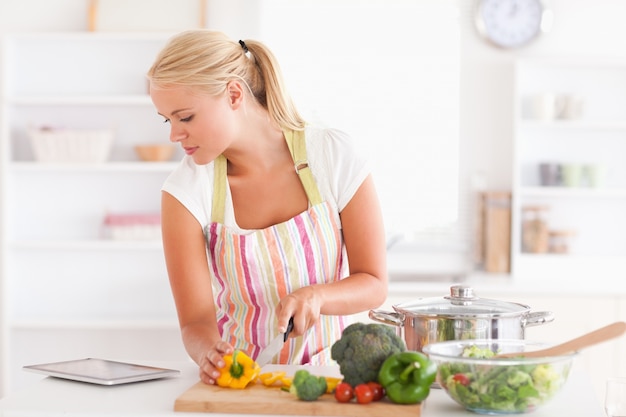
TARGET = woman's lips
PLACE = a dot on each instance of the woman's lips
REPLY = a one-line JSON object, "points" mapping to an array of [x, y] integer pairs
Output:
{"points": [[190, 151]]}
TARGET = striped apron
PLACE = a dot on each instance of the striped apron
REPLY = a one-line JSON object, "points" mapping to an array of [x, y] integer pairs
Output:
{"points": [[252, 272]]}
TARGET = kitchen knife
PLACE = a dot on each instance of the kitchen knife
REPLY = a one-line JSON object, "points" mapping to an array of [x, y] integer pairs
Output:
{"points": [[275, 346]]}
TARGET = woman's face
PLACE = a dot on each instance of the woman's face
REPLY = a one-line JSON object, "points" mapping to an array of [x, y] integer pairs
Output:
{"points": [[202, 124]]}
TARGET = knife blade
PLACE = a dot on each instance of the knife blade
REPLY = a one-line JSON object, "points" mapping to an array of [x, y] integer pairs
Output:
{"points": [[275, 346]]}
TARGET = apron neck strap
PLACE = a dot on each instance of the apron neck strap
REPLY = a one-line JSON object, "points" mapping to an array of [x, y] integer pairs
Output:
{"points": [[219, 189], [297, 148]]}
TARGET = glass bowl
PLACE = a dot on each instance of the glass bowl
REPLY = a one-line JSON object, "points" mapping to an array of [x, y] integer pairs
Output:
{"points": [[498, 385]]}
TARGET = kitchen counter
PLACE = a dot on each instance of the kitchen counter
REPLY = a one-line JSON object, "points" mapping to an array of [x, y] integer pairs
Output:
{"points": [[53, 397], [405, 282], [411, 272]]}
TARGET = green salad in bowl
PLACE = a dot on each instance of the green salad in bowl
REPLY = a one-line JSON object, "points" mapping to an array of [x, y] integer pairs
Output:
{"points": [[473, 377]]}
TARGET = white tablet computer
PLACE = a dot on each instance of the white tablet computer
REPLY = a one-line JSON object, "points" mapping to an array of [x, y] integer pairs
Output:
{"points": [[101, 371]]}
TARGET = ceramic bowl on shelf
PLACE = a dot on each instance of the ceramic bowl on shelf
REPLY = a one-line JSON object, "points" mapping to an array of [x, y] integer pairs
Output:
{"points": [[471, 376], [155, 152]]}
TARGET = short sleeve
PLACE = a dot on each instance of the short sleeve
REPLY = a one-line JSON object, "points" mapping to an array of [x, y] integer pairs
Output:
{"points": [[338, 164], [192, 186]]}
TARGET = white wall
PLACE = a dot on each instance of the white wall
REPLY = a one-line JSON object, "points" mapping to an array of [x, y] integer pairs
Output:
{"points": [[582, 27]]}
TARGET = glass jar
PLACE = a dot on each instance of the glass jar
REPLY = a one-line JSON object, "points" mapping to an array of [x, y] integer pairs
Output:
{"points": [[535, 238], [559, 241]]}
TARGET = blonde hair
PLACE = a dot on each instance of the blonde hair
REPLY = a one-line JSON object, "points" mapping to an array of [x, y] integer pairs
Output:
{"points": [[207, 60]]}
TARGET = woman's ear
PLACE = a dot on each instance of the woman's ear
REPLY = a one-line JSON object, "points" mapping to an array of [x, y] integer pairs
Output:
{"points": [[235, 93]]}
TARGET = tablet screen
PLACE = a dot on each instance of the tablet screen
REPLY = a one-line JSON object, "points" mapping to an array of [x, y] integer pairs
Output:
{"points": [[101, 371]]}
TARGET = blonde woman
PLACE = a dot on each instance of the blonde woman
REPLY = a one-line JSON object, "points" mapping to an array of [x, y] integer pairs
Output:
{"points": [[266, 218]]}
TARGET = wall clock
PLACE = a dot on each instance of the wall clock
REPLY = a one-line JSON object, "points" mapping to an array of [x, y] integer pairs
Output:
{"points": [[512, 23]]}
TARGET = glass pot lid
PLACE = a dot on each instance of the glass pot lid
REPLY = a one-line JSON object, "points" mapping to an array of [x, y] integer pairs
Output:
{"points": [[463, 302]]}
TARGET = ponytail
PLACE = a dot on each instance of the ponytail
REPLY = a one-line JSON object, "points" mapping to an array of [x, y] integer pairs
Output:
{"points": [[208, 60]]}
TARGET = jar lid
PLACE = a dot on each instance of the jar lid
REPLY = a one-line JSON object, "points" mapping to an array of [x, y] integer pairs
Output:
{"points": [[462, 302]]}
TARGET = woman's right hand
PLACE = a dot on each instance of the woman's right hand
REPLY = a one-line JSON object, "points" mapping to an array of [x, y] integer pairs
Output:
{"points": [[213, 361]]}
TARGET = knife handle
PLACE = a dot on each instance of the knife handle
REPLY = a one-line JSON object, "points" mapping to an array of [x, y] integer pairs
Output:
{"points": [[289, 329]]}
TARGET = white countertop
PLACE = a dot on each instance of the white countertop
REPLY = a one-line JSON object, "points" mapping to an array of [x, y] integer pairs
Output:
{"points": [[52, 397], [489, 284], [549, 276]]}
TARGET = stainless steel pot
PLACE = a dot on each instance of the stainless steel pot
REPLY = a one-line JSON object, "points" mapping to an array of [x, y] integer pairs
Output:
{"points": [[461, 315]]}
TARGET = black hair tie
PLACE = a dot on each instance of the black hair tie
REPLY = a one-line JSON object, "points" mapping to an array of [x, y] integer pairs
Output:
{"points": [[243, 45]]}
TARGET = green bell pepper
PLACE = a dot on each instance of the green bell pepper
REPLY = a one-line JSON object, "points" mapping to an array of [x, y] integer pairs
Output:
{"points": [[407, 377]]}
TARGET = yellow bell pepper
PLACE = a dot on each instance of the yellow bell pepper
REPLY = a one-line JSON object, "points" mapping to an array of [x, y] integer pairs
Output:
{"points": [[239, 370]]}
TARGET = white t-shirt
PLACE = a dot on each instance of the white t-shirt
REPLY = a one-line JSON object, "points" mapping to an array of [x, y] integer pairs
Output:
{"points": [[338, 167]]}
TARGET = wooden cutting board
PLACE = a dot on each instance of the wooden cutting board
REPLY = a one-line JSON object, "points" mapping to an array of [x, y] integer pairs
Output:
{"points": [[259, 399]]}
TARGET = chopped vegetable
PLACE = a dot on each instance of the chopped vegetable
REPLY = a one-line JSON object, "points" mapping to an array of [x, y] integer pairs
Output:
{"points": [[514, 388], [239, 370], [362, 349], [461, 379], [280, 379], [273, 378], [407, 377], [307, 387], [474, 351]]}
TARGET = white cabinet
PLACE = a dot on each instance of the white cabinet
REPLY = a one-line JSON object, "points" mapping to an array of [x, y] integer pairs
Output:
{"points": [[63, 284], [570, 115]]}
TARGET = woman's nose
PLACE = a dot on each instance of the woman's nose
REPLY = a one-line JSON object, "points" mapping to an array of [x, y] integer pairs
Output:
{"points": [[176, 135]]}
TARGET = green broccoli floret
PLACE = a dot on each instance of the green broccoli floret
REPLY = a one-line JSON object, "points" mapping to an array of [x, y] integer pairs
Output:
{"points": [[362, 349], [307, 387]]}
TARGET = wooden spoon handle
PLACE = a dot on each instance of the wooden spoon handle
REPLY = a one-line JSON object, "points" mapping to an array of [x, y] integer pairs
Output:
{"points": [[592, 338]]}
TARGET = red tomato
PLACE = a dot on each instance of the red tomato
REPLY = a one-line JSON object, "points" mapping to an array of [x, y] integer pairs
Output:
{"points": [[363, 394], [343, 392], [461, 379], [378, 392]]}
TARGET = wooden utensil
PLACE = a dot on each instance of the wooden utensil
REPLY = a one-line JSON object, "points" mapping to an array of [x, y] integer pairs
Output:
{"points": [[592, 338]]}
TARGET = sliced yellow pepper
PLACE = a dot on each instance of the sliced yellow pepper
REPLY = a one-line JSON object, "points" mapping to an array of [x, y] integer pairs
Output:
{"points": [[270, 378], [239, 370], [280, 379], [331, 383], [286, 381]]}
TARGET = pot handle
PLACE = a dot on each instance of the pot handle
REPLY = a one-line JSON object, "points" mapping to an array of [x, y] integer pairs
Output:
{"points": [[387, 317], [538, 317]]}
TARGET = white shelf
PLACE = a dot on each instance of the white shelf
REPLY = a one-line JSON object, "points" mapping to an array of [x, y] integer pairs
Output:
{"points": [[564, 192], [93, 324], [102, 36], [114, 166], [602, 270], [95, 100], [88, 245], [574, 125]]}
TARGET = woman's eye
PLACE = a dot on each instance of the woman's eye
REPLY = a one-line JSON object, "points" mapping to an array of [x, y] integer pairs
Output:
{"points": [[166, 120], [186, 119]]}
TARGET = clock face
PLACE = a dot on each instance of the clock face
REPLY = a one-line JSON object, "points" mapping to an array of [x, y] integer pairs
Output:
{"points": [[510, 23]]}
